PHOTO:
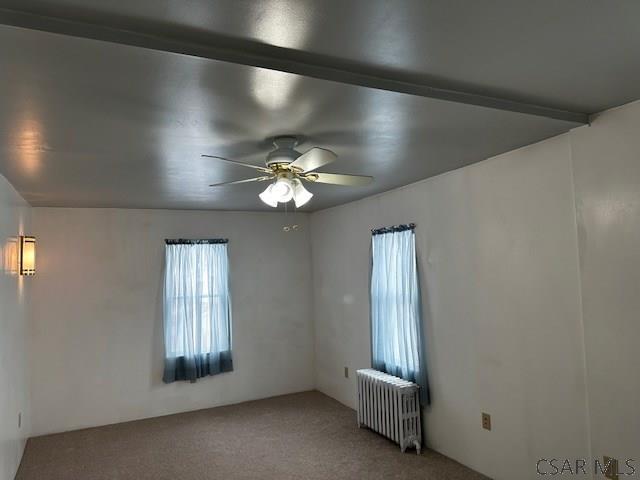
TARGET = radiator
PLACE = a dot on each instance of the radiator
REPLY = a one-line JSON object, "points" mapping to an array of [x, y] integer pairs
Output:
{"points": [[390, 406]]}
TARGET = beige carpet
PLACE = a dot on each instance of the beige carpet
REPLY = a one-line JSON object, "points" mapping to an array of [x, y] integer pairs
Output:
{"points": [[300, 436]]}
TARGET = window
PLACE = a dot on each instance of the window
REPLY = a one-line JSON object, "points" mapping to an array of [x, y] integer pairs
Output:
{"points": [[197, 309], [396, 325]]}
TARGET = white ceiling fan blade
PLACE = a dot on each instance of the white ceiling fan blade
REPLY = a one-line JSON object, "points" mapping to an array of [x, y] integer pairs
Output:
{"points": [[246, 180], [340, 179], [314, 158], [233, 162]]}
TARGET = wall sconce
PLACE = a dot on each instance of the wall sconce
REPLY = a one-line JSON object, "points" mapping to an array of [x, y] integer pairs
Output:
{"points": [[27, 255]]}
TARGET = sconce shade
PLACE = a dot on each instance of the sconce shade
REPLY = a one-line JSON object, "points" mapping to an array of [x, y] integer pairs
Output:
{"points": [[27, 255]]}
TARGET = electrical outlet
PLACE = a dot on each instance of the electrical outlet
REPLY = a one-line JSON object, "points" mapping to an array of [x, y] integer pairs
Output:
{"points": [[346, 372], [611, 468], [19, 419], [486, 421]]}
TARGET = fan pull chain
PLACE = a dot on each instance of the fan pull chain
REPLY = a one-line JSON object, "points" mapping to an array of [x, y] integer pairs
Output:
{"points": [[289, 228]]}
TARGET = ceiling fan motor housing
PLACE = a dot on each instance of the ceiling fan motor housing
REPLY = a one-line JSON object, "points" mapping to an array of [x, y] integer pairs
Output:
{"points": [[284, 151]]}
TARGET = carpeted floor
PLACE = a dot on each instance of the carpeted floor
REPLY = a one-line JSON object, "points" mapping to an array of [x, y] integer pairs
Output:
{"points": [[300, 436]]}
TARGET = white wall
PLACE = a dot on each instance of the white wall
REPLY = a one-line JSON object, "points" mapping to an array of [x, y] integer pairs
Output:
{"points": [[97, 325], [498, 258], [606, 164], [14, 381]]}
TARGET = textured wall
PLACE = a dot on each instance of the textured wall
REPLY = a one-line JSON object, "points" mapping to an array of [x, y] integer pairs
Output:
{"points": [[499, 269], [606, 165], [14, 358], [97, 324]]}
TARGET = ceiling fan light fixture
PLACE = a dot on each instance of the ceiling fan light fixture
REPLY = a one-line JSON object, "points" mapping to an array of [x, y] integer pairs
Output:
{"points": [[301, 195], [268, 197], [286, 168]]}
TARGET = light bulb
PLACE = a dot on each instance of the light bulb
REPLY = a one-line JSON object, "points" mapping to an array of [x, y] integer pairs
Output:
{"points": [[268, 197], [301, 195]]}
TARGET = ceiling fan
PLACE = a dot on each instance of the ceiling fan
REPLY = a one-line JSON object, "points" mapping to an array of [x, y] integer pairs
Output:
{"points": [[287, 168]]}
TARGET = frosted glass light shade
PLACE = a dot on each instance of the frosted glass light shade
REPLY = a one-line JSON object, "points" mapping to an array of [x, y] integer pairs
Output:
{"points": [[268, 197], [27, 256], [282, 190], [301, 195]]}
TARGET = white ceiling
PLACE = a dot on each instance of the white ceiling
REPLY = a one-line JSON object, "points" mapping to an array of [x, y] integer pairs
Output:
{"points": [[91, 123]]}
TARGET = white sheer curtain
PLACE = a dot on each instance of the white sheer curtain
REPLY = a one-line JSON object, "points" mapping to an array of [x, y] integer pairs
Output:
{"points": [[197, 309], [396, 324]]}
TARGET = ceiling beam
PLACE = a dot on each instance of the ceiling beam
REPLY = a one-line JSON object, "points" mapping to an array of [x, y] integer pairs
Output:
{"points": [[165, 38]]}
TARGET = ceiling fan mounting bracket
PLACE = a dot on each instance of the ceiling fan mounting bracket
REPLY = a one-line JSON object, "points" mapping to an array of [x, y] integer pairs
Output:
{"points": [[285, 141], [285, 152]]}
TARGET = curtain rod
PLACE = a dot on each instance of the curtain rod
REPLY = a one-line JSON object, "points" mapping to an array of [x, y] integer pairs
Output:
{"points": [[186, 241], [394, 228]]}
